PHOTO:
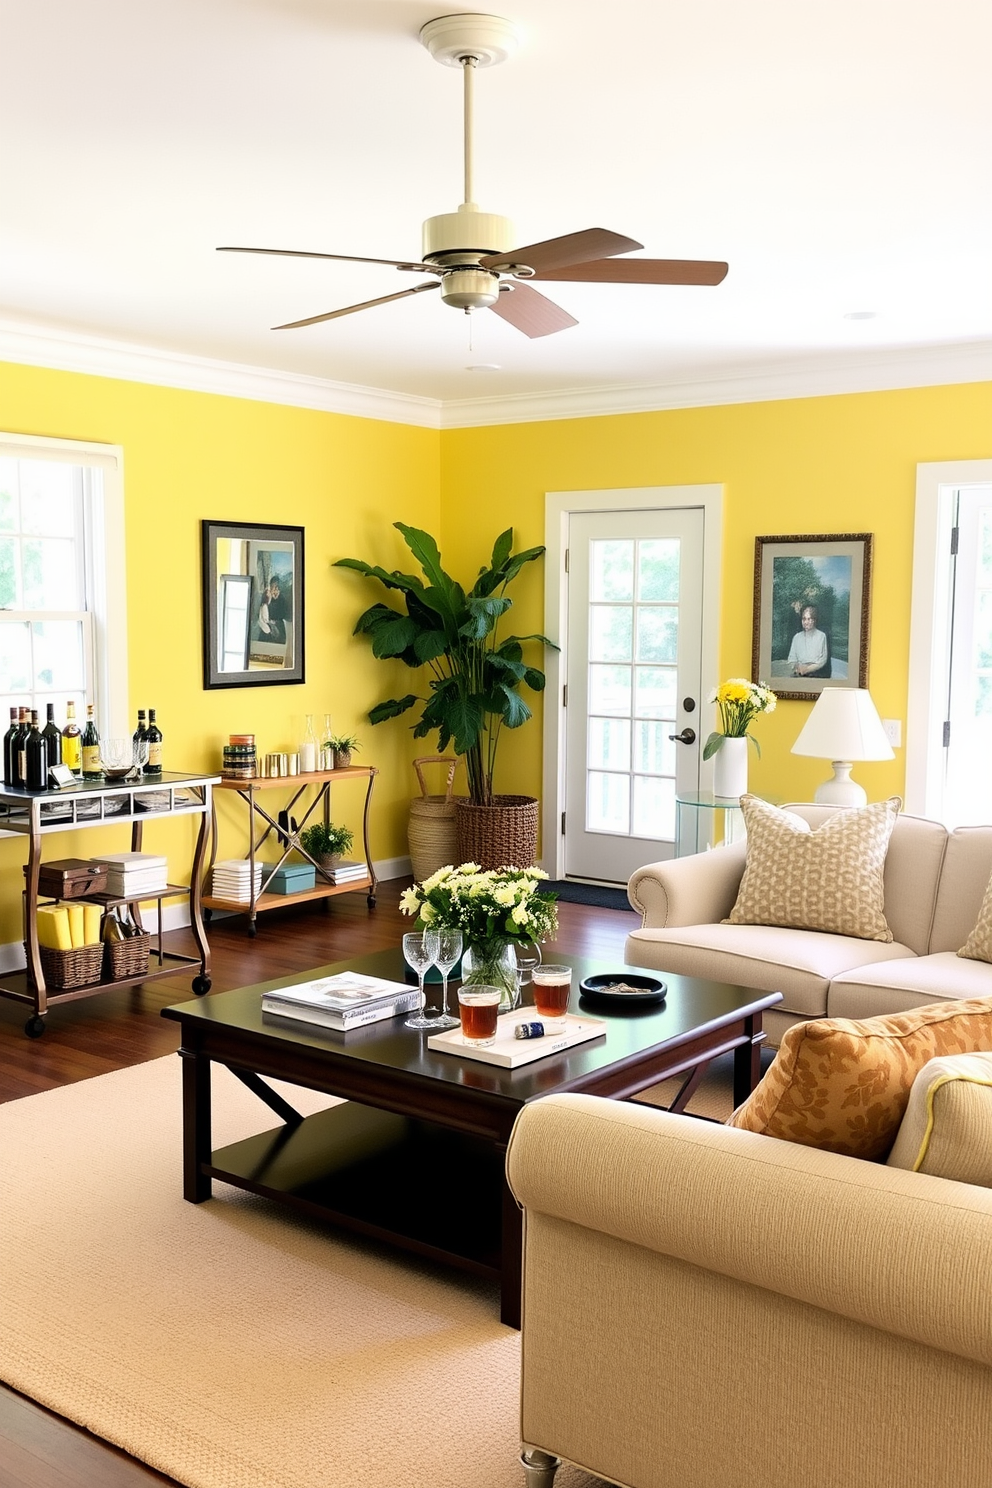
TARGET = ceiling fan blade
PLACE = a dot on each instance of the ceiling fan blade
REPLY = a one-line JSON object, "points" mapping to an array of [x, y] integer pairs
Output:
{"points": [[555, 253], [640, 271], [393, 263], [403, 294], [530, 312]]}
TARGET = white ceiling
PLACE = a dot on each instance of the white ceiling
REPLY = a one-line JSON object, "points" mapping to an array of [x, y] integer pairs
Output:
{"points": [[836, 154]]}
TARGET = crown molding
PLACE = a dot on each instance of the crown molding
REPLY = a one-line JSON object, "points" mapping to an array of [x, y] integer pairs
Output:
{"points": [[757, 382], [754, 382], [72, 351]]}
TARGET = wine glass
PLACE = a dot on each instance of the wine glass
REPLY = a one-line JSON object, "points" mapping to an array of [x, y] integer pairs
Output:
{"points": [[449, 948], [419, 950]]}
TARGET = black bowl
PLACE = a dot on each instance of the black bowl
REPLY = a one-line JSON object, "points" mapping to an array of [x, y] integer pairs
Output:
{"points": [[602, 989]]}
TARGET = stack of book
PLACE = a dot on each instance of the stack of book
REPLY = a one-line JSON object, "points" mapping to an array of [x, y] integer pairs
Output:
{"points": [[231, 879], [135, 873], [347, 871], [344, 1001]]}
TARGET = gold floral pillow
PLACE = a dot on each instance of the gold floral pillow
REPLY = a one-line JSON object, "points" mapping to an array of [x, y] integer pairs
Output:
{"points": [[827, 879], [843, 1084], [978, 946]]}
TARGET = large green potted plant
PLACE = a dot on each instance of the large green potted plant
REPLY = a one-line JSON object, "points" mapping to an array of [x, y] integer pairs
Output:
{"points": [[474, 679]]}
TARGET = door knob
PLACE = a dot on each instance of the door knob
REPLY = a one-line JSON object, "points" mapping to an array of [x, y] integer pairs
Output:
{"points": [[687, 736]]}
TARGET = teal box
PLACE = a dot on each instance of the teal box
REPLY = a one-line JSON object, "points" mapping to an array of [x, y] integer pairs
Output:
{"points": [[292, 878]]}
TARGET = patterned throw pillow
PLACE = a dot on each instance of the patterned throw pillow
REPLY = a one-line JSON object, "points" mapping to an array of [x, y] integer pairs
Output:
{"points": [[827, 879], [978, 946], [843, 1084]]}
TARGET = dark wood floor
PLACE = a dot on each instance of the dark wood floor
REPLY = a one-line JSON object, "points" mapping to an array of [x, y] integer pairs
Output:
{"points": [[117, 1029]]}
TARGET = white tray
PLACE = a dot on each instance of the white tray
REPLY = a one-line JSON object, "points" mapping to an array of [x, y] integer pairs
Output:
{"points": [[509, 1051]]}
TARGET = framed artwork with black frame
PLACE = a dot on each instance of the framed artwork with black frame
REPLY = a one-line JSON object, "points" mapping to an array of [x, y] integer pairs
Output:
{"points": [[812, 604], [252, 604]]}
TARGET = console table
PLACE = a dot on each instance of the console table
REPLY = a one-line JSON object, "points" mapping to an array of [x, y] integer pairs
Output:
{"points": [[288, 837], [36, 814]]}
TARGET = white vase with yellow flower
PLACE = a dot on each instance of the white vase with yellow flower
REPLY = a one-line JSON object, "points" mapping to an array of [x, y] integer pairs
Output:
{"points": [[739, 702]]}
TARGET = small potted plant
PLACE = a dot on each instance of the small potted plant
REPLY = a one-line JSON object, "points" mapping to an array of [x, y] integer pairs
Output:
{"points": [[325, 843], [344, 745]]}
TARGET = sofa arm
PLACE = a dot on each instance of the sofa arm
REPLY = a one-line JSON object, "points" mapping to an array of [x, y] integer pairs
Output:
{"points": [[698, 890], [900, 1252]]}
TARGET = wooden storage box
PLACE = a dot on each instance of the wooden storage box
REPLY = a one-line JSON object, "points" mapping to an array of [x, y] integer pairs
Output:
{"points": [[63, 970], [71, 878]]}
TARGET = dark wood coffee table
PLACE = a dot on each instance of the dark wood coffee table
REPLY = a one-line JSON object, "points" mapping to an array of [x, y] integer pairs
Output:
{"points": [[416, 1157]]}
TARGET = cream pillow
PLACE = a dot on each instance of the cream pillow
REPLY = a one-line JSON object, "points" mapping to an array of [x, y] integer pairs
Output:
{"points": [[827, 879], [978, 946], [947, 1128]]}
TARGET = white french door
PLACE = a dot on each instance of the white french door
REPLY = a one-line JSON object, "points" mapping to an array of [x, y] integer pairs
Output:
{"points": [[633, 662]]}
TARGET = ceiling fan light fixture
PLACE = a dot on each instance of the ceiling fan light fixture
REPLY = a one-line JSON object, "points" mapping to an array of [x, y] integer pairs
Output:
{"points": [[470, 289]]}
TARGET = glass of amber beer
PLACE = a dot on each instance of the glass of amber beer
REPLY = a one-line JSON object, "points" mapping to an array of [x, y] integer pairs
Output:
{"points": [[478, 1007], [552, 985]]}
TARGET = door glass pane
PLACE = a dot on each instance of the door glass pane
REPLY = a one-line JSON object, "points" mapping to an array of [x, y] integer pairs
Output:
{"points": [[611, 633], [654, 806], [983, 629], [985, 546], [609, 690], [654, 752], [15, 658], [607, 803], [9, 573], [611, 570], [58, 656], [657, 634], [47, 497], [658, 568], [609, 743], [9, 511], [655, 692]]}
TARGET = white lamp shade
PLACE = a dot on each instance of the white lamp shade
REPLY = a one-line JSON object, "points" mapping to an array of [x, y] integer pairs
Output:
{"points": [[844, 725]]}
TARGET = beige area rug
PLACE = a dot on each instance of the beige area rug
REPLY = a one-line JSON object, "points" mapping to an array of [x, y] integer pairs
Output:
{"points": [[231, 1344]]}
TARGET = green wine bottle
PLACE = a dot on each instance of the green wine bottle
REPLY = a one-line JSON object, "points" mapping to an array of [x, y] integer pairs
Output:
{"points": [[91, 748]]}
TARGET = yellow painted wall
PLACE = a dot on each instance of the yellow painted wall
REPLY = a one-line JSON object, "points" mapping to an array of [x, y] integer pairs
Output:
{"points": [[189, 456], [812, 465]]}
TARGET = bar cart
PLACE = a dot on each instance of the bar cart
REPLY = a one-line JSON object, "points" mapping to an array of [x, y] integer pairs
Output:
{"points": [[36, 814], [287, 837]]}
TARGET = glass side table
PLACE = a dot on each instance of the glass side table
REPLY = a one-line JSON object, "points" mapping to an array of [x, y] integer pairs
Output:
{"points": [[699, 815]]}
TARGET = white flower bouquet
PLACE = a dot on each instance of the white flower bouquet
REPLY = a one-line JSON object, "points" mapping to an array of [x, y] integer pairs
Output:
{"points": [[504, 904]]}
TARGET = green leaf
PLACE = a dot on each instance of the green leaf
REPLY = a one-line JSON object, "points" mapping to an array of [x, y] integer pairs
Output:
{"points": [[393, 708], [482, 616], [510, 649], [465, 718], [535, 680], [373, 616], [513, 565], [515, 710], [713, 743], [392, 637], [545, 640], [396, 580], [427, 553], [501, 548], [429, 644], [515, 670]]}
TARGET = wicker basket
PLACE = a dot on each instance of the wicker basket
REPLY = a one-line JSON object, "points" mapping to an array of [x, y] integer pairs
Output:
{"points": [[126, 958], [65, 969], [433, 832], [501, 835]]}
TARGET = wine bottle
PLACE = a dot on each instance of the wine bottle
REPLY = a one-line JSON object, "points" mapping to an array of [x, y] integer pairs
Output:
{"points": [[17, 748], [91, 748], [52, 736], [154, 736], [72, 754], [36, 757], [8, 740], [138, 738]]}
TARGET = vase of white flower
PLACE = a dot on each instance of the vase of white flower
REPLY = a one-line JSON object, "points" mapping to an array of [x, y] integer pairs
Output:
{"points": [[739, 702], [495, 911]]}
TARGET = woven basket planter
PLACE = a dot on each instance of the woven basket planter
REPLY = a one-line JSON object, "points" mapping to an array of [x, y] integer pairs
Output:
{"points": [[433, 829], [503, 835], [126, 958], [75, 968]]}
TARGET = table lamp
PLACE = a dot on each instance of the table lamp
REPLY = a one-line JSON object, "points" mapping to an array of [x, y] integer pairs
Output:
{"points": [[844, 726]]}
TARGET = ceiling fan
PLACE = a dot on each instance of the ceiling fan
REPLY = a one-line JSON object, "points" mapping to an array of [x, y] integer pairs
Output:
{"points": [[468, 253]]}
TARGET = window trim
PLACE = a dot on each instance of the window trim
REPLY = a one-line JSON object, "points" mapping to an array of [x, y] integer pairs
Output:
{"points": [[103, 522], [936, 484]]}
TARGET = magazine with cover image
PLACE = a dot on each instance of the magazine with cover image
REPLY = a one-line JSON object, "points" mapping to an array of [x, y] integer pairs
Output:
{"points": [[347, 991]]}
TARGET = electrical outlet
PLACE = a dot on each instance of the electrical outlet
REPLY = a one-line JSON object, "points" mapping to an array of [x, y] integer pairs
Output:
{"points": [[892, 728]]}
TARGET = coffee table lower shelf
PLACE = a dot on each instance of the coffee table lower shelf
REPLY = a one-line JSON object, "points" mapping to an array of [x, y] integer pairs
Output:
{"points": [[412, 1184]]}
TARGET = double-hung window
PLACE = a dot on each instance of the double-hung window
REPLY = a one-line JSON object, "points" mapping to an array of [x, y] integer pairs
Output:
{"points": [[62, 599]]}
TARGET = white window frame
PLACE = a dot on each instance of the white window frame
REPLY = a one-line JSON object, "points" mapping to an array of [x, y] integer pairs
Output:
{"points": [[104, 558], [937, 483]]}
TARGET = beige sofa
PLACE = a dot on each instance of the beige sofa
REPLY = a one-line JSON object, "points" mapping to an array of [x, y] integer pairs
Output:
{"points": [[706, 1306], [934, 884]]}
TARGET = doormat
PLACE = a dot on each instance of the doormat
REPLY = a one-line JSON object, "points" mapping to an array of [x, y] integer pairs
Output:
{"points": [[586, 893]]}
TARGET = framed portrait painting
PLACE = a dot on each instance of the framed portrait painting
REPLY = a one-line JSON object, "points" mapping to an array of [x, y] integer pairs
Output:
{"points": [[252, 604], [812, 598]]}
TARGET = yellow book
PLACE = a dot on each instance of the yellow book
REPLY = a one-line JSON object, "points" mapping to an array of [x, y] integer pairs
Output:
{"points": [[76, 924], [92, 914], [53, 927]]}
